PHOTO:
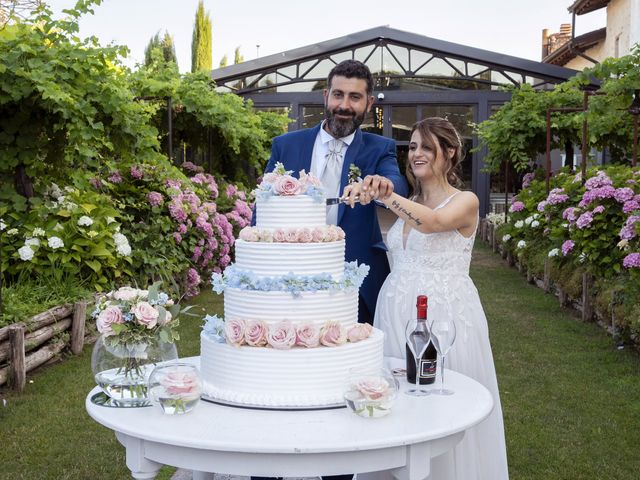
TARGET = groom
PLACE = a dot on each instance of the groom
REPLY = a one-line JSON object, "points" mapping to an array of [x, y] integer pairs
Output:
{"points": [[329, 150]]}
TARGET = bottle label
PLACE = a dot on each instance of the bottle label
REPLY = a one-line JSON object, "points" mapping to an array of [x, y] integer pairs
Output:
{"points": [[428, 368]]}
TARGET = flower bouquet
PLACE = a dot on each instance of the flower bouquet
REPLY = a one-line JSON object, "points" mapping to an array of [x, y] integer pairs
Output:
{"points": [[137, 332], [371, 393]]}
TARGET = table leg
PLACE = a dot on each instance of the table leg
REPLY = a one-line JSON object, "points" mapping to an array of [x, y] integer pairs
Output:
{"points": [[202, 475], [418, 466], [141, 468]]}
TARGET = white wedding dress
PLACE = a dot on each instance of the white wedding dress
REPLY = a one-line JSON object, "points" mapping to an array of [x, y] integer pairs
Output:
{"points": [[437, 265]]}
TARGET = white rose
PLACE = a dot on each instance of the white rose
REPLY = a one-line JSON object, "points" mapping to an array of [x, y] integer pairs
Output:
{"points": [[26, 253]]}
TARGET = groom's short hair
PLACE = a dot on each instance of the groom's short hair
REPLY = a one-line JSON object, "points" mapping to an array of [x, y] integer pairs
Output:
{"points": [[352, 69]]}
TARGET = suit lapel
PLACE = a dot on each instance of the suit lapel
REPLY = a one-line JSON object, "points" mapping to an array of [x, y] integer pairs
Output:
{"points": [[350, 158]]}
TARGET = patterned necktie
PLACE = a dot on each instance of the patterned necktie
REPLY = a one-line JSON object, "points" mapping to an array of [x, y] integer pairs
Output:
{"points": [[333, 169]]}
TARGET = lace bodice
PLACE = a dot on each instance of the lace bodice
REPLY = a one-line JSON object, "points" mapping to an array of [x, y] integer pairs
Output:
{"points": [[445, 253]]}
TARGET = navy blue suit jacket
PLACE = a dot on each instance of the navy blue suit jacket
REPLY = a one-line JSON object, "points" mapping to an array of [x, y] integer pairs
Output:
{"points": [[374, 155]]}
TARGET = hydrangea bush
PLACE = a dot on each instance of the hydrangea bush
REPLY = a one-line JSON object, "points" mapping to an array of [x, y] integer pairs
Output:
{"points": [[592, 227]]}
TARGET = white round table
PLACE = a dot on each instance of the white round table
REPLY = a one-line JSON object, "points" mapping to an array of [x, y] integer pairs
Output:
{"points": [[240, 441]]}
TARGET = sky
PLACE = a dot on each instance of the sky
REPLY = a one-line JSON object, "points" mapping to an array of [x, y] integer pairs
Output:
{"points": [[261, 27]]}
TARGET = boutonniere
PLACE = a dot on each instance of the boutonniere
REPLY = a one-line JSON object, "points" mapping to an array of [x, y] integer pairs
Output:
{"points": [[354, 174]]}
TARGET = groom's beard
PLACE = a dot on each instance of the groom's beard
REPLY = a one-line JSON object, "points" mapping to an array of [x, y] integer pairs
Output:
{"points": [[340, 128]]}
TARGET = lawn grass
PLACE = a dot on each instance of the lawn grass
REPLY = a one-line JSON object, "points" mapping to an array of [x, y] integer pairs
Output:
{"points": [[570, 398]]}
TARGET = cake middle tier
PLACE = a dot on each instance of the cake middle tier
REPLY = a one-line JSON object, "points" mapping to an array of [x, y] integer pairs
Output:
{"points": [[268, 259], [273, 307]]}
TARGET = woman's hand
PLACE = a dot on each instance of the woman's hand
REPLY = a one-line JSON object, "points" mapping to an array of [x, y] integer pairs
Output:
{"points": [[373, 187]]}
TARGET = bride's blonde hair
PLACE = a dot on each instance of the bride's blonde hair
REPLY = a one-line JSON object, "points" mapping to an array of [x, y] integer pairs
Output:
{"points": [[439, 134]]}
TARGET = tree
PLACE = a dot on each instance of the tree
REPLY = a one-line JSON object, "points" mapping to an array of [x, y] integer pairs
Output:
{"points": [[224, 61], [237, 56], [201, 42], [164, 46]]}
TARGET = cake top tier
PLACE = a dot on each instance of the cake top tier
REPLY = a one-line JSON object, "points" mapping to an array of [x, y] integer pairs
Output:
{"points": [[283, 201], [281, 183]]}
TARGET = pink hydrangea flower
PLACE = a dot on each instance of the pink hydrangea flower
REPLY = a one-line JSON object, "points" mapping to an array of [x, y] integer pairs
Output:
{"points": [[631, 261], [516, 206], [567, 247], [155, 199]]}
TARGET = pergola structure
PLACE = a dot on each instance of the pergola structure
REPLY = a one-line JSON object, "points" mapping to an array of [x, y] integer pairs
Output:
{"points": [[415, 77]]}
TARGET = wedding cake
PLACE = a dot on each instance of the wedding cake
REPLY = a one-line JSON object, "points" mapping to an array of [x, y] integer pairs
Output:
{"points": [[290, 334]]}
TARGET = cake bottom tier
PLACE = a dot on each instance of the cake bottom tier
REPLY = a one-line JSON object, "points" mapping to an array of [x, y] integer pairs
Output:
{"points": [[295, 378]]}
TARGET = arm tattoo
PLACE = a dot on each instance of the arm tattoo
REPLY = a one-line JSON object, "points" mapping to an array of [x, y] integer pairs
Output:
{"points": [[398, 207]]}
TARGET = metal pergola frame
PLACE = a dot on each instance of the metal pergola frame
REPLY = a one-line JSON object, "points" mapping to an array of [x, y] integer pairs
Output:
{"points": [[263, 79]]}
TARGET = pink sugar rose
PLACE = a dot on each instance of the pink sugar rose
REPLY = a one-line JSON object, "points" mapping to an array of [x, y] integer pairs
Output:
{"points": [[270, 177], [286, 185], [305, 235], [318, 235], [176, 383], [265, 235], [336, 233], [308, 335], [234, 331], [146, 314], [248, 234], [373, 388], [360, 331], [282, 335], [309, 179], [291, 235], [255, 333], [108, 317], [333, 334], [279, 235]]}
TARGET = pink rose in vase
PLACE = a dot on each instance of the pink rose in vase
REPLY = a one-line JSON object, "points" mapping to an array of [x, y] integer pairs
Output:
{"points": [[179, 383], [146, 314], [234, 331], [307, 335], [286, 185], [282, 335], [333, 334], [126, 294], [358, 332], [373, 388], [108, 317], [255, 333]]}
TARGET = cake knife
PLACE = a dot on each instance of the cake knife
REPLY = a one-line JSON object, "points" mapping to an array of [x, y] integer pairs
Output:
{"points": [[338, 200]]}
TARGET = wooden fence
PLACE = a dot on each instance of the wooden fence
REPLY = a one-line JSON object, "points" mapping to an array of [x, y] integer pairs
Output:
{"points": [[29, 344]]}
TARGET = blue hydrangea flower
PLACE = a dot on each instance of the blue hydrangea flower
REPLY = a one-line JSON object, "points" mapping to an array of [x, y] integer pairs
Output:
{"points": [[214, 328]]}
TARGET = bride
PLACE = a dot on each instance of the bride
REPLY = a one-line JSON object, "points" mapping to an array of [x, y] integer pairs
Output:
{"points": [[430, 245]]}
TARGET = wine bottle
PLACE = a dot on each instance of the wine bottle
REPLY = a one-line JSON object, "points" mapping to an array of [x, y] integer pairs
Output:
{"points": [[428, 362]]}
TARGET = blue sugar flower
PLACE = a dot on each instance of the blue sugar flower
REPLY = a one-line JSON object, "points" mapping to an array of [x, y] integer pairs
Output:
{"points": [[214, 328]]}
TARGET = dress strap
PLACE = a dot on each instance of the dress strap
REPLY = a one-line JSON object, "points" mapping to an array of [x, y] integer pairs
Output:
{"points": [[446, 200]]}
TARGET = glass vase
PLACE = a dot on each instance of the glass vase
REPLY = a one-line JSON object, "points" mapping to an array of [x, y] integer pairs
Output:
{"points": [[371, 393], [122, 370], [176, 387]]}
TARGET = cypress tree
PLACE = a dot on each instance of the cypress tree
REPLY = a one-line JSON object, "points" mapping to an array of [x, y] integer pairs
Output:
{"points": [[164, 45], [238, 58], [201, 42], [224, 61]]}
